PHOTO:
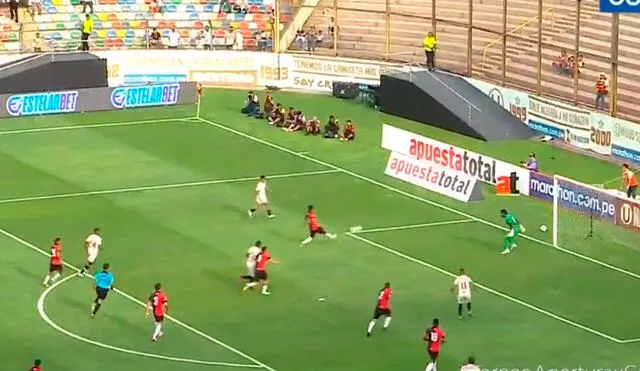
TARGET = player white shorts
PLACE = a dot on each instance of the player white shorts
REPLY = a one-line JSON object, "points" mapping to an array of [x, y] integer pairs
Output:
{"points": [[92, 254], [251, 269], [261, 200], [464, 299]]}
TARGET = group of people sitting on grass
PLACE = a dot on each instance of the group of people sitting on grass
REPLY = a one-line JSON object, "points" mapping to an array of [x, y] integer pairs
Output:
{"points": [[292, 120]]}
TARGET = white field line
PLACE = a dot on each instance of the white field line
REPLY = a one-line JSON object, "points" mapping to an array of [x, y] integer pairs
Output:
{"points": [[414, 226], [91, 126], [417, 198], [142, 303], [162, 186], [628, 341], [50, 322], [487, 289]]}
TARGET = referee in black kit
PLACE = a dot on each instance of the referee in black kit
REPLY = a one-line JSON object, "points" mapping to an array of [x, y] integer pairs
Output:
{"points": [[87, 30]]}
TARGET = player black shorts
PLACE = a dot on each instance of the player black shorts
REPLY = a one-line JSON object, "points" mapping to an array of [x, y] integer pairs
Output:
{"points": [[101, 293], [313, 232], [55, 268], [158, 318], [379, 312], [433, 355], [632, 191], [261, 275]]}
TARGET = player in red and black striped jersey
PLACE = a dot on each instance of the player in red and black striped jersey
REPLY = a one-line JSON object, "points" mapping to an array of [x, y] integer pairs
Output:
{"points": [[36, 365], [159, 305], [383, 308], [55, 264]]}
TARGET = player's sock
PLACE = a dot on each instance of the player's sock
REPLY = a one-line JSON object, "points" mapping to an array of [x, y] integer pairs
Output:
{"points": [[55, 277], [157, 331], [269, 212], [46, 280], [307, 240], [459, 310], [431, 367], [96, 307], [372, 324], [246, 277], [387, 322], [469, 308], [84, 269]]}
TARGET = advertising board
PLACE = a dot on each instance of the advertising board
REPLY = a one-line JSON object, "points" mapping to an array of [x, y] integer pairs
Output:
{"points": [[433, 177], [100, 99], [460, 160]]}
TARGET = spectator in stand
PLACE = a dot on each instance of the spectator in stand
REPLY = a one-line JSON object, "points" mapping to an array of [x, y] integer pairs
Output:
{"points": [[332, 26], [580, 66], [87, 29], [225, 7], [35, 8], [155, 39], [85, 4], [430, 43], [319, 39], [229, 38], [13, 10], [208, 38], [301, 39], [265, 41], [238, 40], [241, 6], [531, 163], [174, 39], [561, 63], [37, 43], [602, 90], [311, 40]]}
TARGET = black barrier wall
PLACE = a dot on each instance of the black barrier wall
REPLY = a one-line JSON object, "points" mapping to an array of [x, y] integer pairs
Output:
{"points": [[100, 99]]}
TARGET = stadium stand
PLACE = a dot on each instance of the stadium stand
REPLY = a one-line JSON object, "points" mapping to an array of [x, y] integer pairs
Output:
{"points": [[127, 23], [9, 32], [363, 33]]}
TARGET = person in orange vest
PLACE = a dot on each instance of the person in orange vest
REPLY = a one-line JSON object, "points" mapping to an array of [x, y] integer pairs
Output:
{"points": [[629, 181]]}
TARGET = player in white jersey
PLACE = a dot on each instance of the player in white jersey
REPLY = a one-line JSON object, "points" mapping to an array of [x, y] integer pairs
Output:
{"points": [[470, 365], [462, 285], [261, 198], [252, 255], [92, 243]]}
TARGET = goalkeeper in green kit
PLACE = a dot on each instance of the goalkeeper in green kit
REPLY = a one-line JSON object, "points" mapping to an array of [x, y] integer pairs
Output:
{"points": [[515, 228]]}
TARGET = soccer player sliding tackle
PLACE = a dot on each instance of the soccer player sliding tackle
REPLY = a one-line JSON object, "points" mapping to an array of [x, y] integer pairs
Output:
{"points": [[55, 265], [159, 305], [383, 308], [462, 284], [434, 336], [261, 198], [93, 244], [515, 228], [103, 283], [314, 227], [261, 276]]}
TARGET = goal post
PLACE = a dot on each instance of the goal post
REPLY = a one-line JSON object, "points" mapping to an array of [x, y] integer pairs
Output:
{"points": [[579, 209]]}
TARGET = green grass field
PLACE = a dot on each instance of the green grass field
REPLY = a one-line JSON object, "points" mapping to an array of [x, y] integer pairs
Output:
{"points": [[171, 194]]}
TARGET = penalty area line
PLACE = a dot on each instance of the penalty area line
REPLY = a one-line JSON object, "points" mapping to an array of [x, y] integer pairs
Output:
{"points": [[163, 186], [488, 289], [176, 321], [43, 314], [411, 226], [629, 341]]}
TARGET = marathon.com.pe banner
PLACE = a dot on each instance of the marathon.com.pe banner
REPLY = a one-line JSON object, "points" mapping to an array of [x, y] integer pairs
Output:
{"points": [[97, 99], [590, 201]]}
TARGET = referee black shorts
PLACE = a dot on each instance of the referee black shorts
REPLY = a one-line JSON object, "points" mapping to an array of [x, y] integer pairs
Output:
{"points": [[101, 293]]}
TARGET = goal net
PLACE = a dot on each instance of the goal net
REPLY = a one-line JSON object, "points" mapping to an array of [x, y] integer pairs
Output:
{"points": [[585, 215]]}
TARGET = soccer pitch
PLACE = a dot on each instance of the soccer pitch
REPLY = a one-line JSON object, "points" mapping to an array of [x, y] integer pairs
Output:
{"points": [[170, 194]]}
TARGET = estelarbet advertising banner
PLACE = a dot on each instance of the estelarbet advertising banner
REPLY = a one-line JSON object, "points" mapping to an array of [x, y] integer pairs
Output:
{"points": [[460, 160], [100, 99]]}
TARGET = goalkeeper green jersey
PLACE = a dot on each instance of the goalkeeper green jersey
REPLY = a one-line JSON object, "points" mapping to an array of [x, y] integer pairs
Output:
{"points": [[512, 222]]}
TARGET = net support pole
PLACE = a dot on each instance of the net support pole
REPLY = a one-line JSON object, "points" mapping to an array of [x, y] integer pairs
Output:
{"points": [[198, 102], [556, 207]]}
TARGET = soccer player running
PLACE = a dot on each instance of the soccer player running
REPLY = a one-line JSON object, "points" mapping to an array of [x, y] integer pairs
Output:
{"points": [[261, 198], [470, 365], [92, 243], [434, 336], [462, 284], [36, 365], [159, 305], [383, 308], [314, 227], [103, 283], [515, 228], [55, 265], [261, 276], [252, 255]]}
